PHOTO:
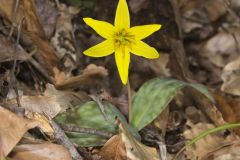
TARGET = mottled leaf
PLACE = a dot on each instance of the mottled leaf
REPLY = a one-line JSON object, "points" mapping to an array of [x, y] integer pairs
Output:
{"points": [[154, 96], [90, 116]]}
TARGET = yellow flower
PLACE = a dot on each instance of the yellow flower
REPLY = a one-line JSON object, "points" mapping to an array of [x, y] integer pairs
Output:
{"points": [[122, 39]]}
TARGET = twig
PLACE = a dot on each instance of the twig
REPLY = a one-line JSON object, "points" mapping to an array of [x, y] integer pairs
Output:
{"points": [[72, 128], [13, 79], [61, 138], [129, 101], [14, 13]]}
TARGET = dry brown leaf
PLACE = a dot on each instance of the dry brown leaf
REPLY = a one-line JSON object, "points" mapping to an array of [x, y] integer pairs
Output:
{"points": [[226, 153], [47, 14], [44, 151], [222, 48], [45, 54], [196, 13], [231, 78], [91, 75], [27, 10], [66, 99], [33, 24], [8, 53], [125, 147], [159, 66], [225, 108], [207, 144], [47, 105], [12, 128], [114, 149], [44, 123]]}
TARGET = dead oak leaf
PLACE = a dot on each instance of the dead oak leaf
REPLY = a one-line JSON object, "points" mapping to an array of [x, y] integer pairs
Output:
{"points": [[12, 129], [207, 144], [125, 147], [46, 151]]}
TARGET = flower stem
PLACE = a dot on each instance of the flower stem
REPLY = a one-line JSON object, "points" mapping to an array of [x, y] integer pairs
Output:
{"points": [[129, 101]]}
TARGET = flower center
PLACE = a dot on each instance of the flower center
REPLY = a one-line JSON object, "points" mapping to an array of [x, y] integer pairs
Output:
{"points": [[123, 38]]}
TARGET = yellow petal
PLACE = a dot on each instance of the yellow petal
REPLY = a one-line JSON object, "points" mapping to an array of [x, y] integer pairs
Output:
{"points": [[122, 18], [141, 32], [122, 58], [100, 50], [140, 48], [104, 29]]}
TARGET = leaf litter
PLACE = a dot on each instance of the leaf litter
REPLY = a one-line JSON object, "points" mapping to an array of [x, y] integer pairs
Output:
{"points": [[48, 95]]}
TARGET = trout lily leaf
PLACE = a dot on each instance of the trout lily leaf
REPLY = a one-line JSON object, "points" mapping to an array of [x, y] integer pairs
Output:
{"points": [[122, 39]]}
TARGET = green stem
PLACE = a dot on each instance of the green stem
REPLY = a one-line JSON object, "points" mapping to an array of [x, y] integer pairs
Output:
{"points": [[129, 101]]}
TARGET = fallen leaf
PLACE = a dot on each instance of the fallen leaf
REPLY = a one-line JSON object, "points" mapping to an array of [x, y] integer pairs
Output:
{"points": [[207, 144], [225, 108], [44, 123], [45, 53], [66, 99], [159, 66], [46, 151], [33, 24], [47, 15], [222, 48], [114, 148], [8, 52], [230, 152], [124, 146], [231, 78], [92, 75], [47, 105], [12, 129]]}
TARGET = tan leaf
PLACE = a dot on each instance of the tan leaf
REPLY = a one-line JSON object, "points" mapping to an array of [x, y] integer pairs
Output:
{"points": [[230, 152], [91, 75], [44, 123], [26, 9], [44, 151], [125, 147], [12, 128], [8, 53], [66, 99], [114, 149], [205, 145], [231, 78], [135, 149], [47, 105]]}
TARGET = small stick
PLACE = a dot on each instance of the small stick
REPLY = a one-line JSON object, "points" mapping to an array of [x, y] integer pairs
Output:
{"points": [[14, 13], [62, 139]]}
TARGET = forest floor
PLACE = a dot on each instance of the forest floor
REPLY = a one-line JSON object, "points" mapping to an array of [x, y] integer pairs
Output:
{"points": [[58, 104]]}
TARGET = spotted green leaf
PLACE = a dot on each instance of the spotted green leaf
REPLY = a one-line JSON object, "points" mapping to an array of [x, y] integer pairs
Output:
{"points": [[89, 115], [154, 96]]}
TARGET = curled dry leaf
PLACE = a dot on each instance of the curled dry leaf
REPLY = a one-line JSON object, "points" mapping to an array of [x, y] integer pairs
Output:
{"points": [[12, 129], [91, 76], [231, 78], [205, 145], [46, 151], [44, 123], [125, 147]]}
